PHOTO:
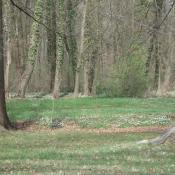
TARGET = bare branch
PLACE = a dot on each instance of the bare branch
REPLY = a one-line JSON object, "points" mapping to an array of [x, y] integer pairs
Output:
{"points": [[166, 16]]}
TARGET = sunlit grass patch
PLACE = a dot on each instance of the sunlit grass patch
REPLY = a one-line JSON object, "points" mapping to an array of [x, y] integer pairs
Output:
{"points": [[95, 112]]}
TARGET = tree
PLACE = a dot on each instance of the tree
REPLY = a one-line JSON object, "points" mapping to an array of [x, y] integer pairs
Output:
{"points": [[33, 50], [4, 120], [8, 22], [51, 40], [81, 49], [92, 47], [60, 17], [70, 39], [153, 60]]}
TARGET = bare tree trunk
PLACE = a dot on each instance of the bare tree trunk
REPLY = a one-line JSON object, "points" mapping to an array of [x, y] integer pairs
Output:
{"points": [[81, 49], [93, 72], [86, 77], [4, 120], [8, 22], [167, 54], [153, 50], [70, 38], [7, 71]]}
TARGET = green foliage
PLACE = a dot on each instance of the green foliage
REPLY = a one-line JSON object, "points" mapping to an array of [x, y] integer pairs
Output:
{"points": [[35, 33], [128, 78]]}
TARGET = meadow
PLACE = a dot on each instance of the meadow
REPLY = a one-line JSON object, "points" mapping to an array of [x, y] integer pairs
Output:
{"points": [[69, 152]]}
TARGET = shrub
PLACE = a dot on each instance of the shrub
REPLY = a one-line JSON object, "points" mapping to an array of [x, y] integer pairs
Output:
{"points": [[128, 78]]}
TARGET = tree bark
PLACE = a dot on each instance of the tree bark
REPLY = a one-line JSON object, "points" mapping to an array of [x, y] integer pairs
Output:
{"points": [[166, 77], [81, 49], [153, 50], [51, 40], [70, 37], [4, 120], [7, 71], [8, 22], [86, 77], [60, 14]]}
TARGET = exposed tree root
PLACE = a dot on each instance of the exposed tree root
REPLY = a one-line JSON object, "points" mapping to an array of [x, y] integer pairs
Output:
{"points": [[161, 139]]}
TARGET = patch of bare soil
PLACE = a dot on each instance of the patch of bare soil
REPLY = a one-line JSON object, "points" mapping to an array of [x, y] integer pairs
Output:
{"points": [[115, 130], [72, 127], [23, 125]]}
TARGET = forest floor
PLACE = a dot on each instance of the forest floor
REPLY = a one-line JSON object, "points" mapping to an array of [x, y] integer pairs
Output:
{"points": [[94, 136]]}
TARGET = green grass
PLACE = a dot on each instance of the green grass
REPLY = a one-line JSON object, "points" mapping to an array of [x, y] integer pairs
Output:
{"points": [[73, 152], [96, 112], [92, 154]]}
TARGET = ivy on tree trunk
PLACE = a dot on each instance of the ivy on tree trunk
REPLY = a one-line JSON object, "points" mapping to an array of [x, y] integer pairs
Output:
{"points": [[33, 50]]}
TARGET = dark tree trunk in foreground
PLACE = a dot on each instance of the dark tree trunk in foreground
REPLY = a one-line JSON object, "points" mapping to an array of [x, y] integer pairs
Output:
{"points": [[4, 120]]}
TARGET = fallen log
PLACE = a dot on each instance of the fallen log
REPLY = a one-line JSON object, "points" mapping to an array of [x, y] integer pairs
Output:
{"points": [[160, 139]]}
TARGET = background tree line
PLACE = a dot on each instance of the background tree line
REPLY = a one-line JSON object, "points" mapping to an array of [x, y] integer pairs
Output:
{"points": [[101, 47]]}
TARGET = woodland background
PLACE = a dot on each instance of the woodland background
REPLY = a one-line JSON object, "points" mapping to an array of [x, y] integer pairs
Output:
{"points": [[91, 47]]}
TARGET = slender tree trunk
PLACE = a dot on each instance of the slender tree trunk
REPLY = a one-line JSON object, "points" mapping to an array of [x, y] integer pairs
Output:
{"points": [[33, 50], [60, 14], [7, 71], [167, 54], [86, 77], [81, 49], [51, 40], [153, 50], [4, 120], [8, 23], [92, 72], [70, 38]]}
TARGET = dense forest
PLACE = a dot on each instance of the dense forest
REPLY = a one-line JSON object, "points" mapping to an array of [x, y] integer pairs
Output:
{"points": [[85, 47]]}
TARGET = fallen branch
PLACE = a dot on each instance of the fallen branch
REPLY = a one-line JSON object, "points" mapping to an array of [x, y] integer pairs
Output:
{"points": [[159, 140]]}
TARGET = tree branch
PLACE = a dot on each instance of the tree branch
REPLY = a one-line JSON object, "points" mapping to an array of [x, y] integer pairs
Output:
{"points": [[166, 16], [29, 15]]}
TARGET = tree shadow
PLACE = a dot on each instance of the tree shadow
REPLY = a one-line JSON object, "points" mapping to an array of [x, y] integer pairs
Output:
{"points": [[23, 125]]}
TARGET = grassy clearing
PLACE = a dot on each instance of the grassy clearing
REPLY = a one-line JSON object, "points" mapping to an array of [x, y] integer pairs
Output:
{"points": [[73, 152], [95, 112], [92, 154]]}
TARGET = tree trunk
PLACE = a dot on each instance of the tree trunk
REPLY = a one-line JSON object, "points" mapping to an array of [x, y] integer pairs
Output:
{"points": [[8, 26], [60, 14], [166, 79], [153, 60], [33, 50], [86, 77], [4, 120], [51, 40], [7, 71], [70, 37], [92, 72], [81, 49]]}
